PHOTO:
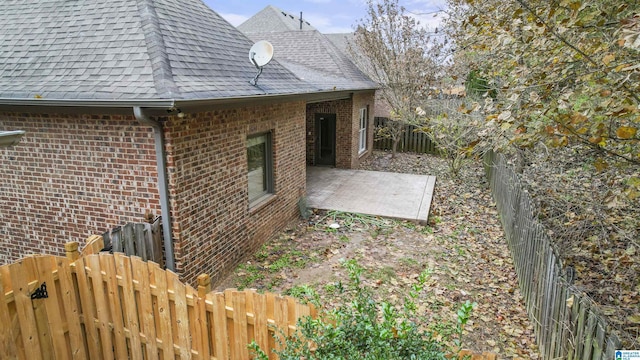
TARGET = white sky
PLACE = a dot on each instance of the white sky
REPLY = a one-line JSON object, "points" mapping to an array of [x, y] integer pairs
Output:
{"points": [[328, 16]]}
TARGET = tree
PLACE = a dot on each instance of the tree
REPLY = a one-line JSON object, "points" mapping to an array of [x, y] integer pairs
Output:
{"points": [[566, 79], [457, 129], [401, 56], [565, 71]]}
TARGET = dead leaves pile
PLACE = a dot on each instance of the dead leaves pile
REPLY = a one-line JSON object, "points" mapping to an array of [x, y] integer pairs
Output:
{"points": [[593, 218], [463, 246]]}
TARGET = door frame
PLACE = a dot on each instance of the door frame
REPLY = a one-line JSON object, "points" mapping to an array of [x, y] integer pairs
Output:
{"points": [[322, 120]]}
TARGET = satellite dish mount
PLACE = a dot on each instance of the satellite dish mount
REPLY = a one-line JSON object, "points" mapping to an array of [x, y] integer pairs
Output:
{"points": [[260, 54]]}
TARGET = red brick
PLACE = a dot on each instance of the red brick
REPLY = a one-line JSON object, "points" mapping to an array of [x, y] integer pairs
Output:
{"points": [[60, 172], [77, 175], [347, 128]]}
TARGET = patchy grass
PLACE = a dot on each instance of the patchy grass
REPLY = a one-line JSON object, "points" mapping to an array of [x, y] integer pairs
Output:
{"points": [[463, 245]]}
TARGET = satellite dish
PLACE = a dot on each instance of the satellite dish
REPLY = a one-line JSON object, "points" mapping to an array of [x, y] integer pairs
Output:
{"points": [[260, 54]]}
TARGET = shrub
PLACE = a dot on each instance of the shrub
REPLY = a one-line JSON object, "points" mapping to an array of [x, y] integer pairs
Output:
{"points": [[362, 328]]}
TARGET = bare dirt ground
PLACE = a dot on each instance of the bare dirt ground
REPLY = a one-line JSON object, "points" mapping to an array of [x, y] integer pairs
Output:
{"points": [[463, 245]]}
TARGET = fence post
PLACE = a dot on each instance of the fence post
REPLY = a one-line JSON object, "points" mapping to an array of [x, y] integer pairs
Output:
{"points": [[71, 249], [204, 285], [94, 244]]}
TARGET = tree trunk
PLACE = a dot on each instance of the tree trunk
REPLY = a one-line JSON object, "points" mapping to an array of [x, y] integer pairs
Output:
{"points": [[394, 148]]}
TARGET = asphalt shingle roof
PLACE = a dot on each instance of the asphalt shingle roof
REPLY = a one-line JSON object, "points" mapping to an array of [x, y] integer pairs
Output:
{"points": [[314, 58], [272, 19], [128, 50]]}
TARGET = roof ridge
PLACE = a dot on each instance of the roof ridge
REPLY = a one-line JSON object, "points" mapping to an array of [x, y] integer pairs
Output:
{"points": [[342, 61], [154, 41], [278, 12], [273, 19]]}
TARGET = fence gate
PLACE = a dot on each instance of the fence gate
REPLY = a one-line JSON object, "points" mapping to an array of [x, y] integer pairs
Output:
{"points": [[112, 306], [38, 311]]}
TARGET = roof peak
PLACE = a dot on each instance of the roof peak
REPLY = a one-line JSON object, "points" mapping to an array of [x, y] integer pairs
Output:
{"points": [[129, 50], [273, 19]]}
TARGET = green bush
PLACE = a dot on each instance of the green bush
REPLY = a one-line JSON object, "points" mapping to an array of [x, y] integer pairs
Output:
{"points": [[362, 328]]}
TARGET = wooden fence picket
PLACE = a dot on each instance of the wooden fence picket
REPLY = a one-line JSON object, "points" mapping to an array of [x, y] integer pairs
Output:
{"points": [[140, 273], [240, 338], [7, 343], [280, 317], [31, 337], [260, 320], [200, 330], [129, 305], [112, 306], [87, 300], [218, 325], [101, 306], [115, 320], [180, 315], [52, 307], [566, 323], [163, 312]]}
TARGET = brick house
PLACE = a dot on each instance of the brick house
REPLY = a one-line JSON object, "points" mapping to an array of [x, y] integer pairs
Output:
{"points": [[132, 107], [339, 130]]}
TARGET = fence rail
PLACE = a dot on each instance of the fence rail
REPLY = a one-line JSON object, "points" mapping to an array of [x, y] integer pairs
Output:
{"points": [[567, 323], [106, 306]]}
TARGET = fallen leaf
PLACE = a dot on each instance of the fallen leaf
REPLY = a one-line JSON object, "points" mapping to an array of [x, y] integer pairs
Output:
{"points": [[634, 319], [626, 132], [570, 302]]}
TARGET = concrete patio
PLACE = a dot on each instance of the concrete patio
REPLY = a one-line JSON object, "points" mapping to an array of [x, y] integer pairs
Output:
{"points": [[400, 196]]}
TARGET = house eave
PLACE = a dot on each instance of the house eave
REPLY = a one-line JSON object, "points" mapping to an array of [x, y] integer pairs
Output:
{"points": [[89, 103], [157, 106], [316, 96]]}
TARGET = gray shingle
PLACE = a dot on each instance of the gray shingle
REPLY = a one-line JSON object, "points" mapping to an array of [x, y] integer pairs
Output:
{"points": [[128, 49], [272, 19], [313, 58]]}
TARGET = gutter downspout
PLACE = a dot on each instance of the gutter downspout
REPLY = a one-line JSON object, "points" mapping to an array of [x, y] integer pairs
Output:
{"points": [[162, 183]]}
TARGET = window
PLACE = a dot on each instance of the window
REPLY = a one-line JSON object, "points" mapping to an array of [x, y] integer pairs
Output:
{"points": [[362, 144], [259, 161]]}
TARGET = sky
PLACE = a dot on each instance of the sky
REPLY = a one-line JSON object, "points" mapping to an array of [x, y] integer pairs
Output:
{"points": [[328, 16]]}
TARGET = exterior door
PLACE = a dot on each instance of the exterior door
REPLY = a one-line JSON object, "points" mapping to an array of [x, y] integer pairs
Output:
{"points": [[326, 139]]}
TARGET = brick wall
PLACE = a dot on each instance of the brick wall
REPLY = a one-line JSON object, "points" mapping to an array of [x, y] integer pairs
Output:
{"points": [[72, 176], [343, 111], [214, 229], [77, 175], [362, 100], [347, 128]]}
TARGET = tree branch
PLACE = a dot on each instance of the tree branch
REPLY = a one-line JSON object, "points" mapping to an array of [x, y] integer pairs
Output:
{"points": [[525, 5]]}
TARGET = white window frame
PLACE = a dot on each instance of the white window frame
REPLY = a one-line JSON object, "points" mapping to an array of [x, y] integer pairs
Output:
{"points": [[362, 132]]}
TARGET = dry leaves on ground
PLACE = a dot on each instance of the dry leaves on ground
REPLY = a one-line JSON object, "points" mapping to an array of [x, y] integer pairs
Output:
{"points": [[593, 218], [463, 245]]}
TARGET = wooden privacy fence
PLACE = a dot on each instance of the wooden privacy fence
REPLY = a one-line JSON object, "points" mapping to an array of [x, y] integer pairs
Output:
{"points": [[139, 239], [417, 141], [412, 141], [566, 321], [112, 306]]}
